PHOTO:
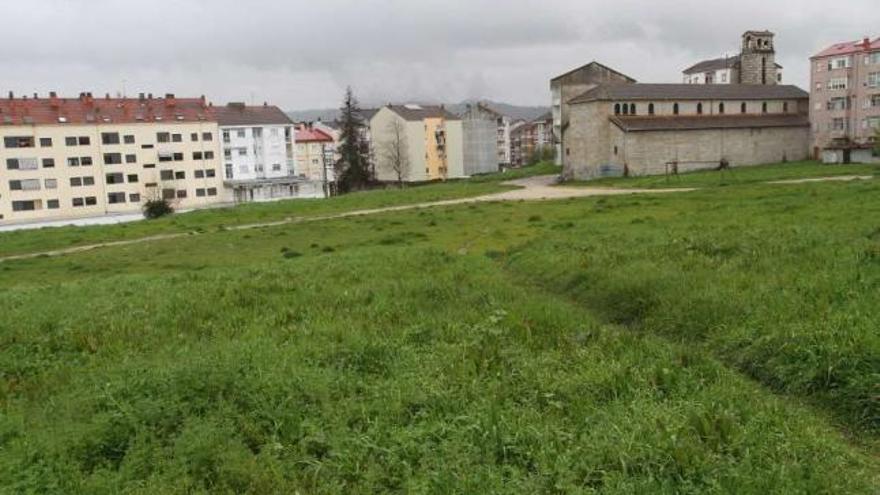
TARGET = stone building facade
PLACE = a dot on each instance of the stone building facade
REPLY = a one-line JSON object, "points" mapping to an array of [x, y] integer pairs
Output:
{"points": [[845, 101], [574, 83], [755, 64], [643, 129]]}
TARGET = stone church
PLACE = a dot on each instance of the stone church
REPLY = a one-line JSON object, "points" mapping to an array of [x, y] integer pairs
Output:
{"points": [[755, 64]]}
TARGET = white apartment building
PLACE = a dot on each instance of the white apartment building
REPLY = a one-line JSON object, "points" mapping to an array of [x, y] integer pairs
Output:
{"points": [[63, 158], [259, 155]]}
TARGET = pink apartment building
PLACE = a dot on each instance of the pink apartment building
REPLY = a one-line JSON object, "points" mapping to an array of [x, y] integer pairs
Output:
{"points": [[845, 101]]}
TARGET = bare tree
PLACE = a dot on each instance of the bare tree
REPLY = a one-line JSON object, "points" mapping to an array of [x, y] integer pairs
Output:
{"points": [[395, 150]]}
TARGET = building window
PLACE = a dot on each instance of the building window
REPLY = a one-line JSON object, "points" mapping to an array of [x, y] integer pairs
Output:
{"points": [[77, 202], [45, 142], [168, 193], [194, 136], [632, 108], [210, 173], [51, 183], [53, 204], [134, 198], [112, 158], [163, 137], [48, 163], [114, 179], [73, 162], [132, 178], [128, 139], [84, 140], [200, 192], [764, 107], [207, 136], [115, 198], [625, 109], [166, 175], [109, 138], [178, 157], [838, 83], [699, 108], [76, 181], [180, 175], [88, 181], [130, 158], [785, 107], [85, 161], [742, 107], [199, 174], [615, 151], [650, 109], [25, 205], [212, 191], [209, 155], [276, 167], [721, 108], [68, 141], [149, 165], [197, 155], [18, 142], [181, 194], [675, 109], [225, 136], [146, 146], [176, 138], [25, 185], [239, 133], [242, 151], [617, 109]]}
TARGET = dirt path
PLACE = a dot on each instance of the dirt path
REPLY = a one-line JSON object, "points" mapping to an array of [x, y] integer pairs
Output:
{"points": [[842, 178], [530, 189]]}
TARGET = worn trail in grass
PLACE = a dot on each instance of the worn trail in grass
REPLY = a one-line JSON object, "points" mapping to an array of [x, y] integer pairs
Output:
{"points": [[713, 342]]}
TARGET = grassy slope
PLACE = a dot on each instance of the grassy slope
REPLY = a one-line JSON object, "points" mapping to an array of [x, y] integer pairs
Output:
{"points": [[61, 237], [438, 351], [737, 176]]}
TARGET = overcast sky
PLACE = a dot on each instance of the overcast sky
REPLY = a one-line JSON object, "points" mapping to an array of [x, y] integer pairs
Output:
{"points": [[301, 54]]}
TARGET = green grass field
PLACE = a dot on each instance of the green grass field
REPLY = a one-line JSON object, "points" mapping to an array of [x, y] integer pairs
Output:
{"points": [[12, 243], [735, 176], [717, 341]]}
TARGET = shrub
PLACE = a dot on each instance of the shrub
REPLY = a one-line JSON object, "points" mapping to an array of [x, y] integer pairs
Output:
{"points": [[157, 208]]}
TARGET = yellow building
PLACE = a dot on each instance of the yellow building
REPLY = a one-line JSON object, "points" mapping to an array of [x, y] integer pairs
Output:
{"points": [[427, 140], [83, 157]]}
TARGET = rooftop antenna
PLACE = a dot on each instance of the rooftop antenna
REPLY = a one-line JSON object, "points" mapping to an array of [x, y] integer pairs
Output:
{"points": [[123, 88]]}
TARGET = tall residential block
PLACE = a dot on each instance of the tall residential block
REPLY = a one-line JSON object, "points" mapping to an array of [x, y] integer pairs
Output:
{"points": [[416, 143], [845, 101], [86, 156]]}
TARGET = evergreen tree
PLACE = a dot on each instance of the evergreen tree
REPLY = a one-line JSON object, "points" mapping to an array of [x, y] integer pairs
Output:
{"points": [[353, 168]]}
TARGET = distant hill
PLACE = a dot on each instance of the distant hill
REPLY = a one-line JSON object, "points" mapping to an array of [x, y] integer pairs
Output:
{"points": [[512, 111]]}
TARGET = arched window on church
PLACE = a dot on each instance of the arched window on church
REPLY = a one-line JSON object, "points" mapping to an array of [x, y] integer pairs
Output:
{"points": [[632, 108], [675, 109], [764, 107], [625, 109], [784, 107], [742, 108], [721, 108], [650, 109], [699, 108], [617, 109]]}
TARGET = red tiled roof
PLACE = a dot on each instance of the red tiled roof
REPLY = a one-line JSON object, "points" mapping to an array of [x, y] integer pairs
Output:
{"points": [[848, 48], [312, 135], [88, 110]]}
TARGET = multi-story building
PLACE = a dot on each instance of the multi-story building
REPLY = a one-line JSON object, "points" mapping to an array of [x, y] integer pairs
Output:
{"points": [[845, 101], [82, 157], [259, 154], [530, 138], [571, 84], [640, 129], [316, 155], [427, 138], [755, 64], [480, 134], [503, 123]]}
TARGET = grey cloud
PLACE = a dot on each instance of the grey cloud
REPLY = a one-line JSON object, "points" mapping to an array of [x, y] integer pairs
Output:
{"points": [[302, 54]]}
